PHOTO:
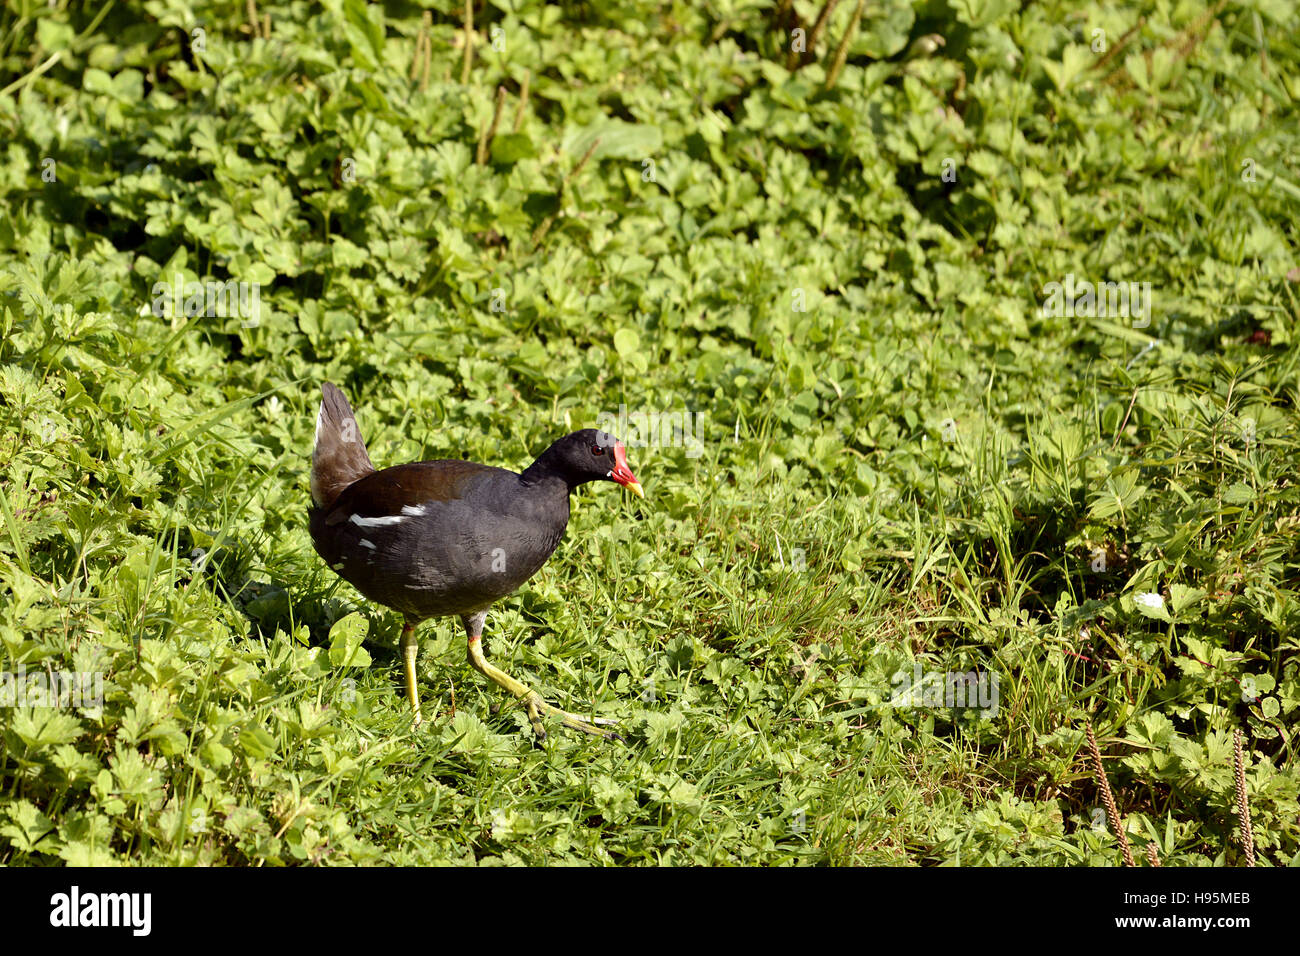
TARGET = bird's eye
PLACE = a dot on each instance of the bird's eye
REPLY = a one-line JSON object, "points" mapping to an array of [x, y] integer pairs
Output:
{"points": [[597, 450]]}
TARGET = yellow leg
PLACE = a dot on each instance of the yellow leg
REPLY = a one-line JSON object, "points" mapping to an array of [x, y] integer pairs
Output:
{"points": [[532, 701], [410, 648]]}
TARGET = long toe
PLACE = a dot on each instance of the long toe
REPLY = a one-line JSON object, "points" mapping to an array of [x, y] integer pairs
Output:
{"points": [[574, 722], [577, 723]]}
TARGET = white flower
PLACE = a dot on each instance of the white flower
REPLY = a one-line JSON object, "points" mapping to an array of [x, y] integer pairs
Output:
{"points": [[1149, 599]]}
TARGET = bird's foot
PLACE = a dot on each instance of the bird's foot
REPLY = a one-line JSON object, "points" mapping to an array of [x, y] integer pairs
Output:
{"points": [[532, 700], [537, 707]]}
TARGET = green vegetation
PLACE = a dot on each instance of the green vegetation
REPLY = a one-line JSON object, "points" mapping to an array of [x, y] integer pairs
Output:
{"points": [[915, 451]]}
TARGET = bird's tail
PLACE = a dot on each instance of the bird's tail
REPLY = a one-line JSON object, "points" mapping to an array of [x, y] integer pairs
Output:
{"points": [[339, 457]]}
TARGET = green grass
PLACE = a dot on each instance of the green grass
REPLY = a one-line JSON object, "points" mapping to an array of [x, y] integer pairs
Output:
{"points": [[906, 459]]}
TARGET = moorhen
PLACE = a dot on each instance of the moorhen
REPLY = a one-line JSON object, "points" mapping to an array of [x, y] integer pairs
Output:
{"points": [[435, 538]]}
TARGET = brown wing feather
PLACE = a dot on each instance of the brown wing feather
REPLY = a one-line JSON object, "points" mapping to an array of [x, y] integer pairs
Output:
{"points": [[387, 492]]}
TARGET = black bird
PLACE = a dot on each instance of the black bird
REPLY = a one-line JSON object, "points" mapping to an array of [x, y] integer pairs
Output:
{"points": [[436, 538]]}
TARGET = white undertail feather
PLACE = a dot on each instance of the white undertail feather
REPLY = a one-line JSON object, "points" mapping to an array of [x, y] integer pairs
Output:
{"points": [[317, 494]]}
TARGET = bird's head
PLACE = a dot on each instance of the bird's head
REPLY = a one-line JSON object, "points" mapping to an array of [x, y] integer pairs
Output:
{"points": [[591, 455]]}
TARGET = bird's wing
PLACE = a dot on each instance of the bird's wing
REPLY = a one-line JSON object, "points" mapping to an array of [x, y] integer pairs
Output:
{"points": [[403, 490]]}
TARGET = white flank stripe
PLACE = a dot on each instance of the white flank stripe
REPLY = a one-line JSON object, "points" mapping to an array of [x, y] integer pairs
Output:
{"points": [[367, 544], [413, 511], [361, 522]]}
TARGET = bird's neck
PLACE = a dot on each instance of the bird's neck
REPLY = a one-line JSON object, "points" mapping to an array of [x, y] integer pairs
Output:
{"points": [[544, 476], [544, 482], [543, 499]]}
